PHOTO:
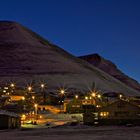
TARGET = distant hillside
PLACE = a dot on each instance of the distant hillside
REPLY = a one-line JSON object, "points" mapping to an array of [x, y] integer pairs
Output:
{"points": [[110, 68], [25, 56]]}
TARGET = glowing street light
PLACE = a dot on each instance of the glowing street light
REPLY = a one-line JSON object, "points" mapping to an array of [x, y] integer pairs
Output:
{"points": [[90, 97], [76, 96], [120, 96], [33, 97], [40, 117], [86, 97], [23, 98], [4, 91], [23, 117], [99, 96], [93, 94], [62, 91], [12, 85], [36, 105], [43, 93], [29, 88], [42, 86]]}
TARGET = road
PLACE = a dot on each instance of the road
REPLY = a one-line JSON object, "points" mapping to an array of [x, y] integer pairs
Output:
{"points": [[75, 133]]}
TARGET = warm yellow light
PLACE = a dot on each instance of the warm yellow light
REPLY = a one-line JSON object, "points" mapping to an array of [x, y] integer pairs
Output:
{"points": [[90, 97], [104, 114], [40, 117], [29, 88], [62, 91], [99, 96], [12, 85], [101, 114], [76, 96], [86, 97], [120, 96], [42, 85], [6, 88], [33, 97], [35, 105], [23, 117], [97, 106], [4, 91], [23, 98], [93, 94]]}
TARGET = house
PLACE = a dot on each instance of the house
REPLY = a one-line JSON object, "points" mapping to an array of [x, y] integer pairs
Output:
{"points": [[73, 106], [90, 116], [88, 101], [9, 120], [135, 100], [119, 112]]}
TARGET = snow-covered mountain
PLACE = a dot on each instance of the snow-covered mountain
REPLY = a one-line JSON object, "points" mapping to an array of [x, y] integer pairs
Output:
{"points": [[110, 68], [26, 56]]}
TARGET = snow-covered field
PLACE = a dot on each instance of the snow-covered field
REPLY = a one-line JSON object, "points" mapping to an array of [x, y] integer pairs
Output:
{"points": [[79, 132], [55, 120]]}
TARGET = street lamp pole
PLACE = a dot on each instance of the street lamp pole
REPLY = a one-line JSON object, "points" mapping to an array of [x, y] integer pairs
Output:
{"points": [[43, 93], [36, 106], [62, 93], [29, 89], [12, 86]]}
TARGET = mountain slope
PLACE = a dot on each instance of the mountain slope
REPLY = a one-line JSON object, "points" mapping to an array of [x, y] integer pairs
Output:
{"points": [[25, 56], [110, 68]]}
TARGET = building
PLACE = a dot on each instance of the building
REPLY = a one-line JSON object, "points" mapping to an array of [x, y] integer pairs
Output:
{"points": [[9, 120], [90, 116], [73, 106], [88, 101], [119, 112], [135, 100]]}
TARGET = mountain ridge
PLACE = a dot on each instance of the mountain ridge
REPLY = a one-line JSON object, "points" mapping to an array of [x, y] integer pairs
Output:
{"points": [[25, 56], [110, 68]]}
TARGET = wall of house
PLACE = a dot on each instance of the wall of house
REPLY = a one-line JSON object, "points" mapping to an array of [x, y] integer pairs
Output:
{"points": [[74, 106], [8, 122], [4, 122], [121, 110]]}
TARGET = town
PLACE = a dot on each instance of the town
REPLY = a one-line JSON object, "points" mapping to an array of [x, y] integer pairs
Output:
{"points": [[27, 107]]}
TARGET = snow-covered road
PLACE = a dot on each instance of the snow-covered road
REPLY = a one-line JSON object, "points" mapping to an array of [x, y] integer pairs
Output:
{"points": [[74, 133]]}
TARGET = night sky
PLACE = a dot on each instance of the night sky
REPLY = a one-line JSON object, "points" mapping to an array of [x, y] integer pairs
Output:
{"points": [[108, 27]]}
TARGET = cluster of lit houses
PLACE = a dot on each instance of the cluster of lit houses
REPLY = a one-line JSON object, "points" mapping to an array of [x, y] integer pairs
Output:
{"points": [[114, 109], [107, 108]]}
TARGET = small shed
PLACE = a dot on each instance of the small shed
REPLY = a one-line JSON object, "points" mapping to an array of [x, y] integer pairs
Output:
{"points": [[9, 120]]}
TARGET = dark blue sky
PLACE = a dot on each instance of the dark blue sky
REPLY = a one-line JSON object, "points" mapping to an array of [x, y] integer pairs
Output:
{"points": [[108, 27]]}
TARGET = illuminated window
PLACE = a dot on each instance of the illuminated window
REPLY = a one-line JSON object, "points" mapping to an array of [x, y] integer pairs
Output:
{"points": [[77, 106], [104, 114]]}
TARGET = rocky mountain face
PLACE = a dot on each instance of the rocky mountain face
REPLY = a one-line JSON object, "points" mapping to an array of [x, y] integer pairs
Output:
{"points": [[27, 57], [110, 68]]}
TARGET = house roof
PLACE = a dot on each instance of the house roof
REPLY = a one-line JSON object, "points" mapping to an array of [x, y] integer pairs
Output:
{"points": [[117, 102], [7, 113]]}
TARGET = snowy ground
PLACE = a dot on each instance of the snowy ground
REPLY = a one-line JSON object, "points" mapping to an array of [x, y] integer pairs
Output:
{"points": [[79, 132], [55, 120]]}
